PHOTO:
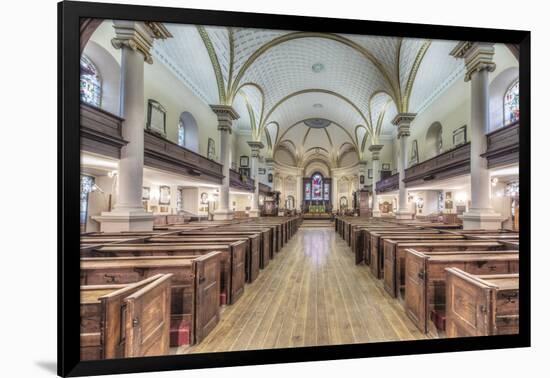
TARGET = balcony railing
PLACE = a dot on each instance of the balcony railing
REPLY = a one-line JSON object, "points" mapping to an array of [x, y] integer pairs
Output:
{"points": [[452, 163], [238, 181], [100, 131], [388, 184], [503, 146], [166, 155]]}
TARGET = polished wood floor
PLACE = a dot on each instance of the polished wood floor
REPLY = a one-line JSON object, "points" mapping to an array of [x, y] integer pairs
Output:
{"points": [[311, 294]]}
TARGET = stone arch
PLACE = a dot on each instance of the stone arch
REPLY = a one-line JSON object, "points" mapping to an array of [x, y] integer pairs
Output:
{"points": [[434, 140], [191, 131]]}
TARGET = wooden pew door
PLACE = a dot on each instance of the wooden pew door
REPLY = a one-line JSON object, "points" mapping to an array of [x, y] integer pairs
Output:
{"points": [[148, 320], [467, 307], [207, 303], [415, 288]]}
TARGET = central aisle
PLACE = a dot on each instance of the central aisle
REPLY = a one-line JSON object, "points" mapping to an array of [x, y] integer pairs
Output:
{"points": [[311, 294]]}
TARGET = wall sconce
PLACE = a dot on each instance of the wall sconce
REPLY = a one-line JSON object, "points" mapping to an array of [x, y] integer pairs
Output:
{"points": [[494, 181]]}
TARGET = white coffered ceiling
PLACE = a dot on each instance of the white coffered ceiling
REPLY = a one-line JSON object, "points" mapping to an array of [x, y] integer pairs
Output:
{"points": [[276, 80]]}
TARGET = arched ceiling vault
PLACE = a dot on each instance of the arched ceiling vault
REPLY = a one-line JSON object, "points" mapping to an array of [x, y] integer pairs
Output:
{"points": [[276, 80]]}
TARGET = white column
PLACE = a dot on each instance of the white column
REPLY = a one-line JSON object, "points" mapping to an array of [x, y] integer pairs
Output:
{"points": [[403, 123], [375, 151], [226, 115], [478, 58], [255, 155], [134, 39]]}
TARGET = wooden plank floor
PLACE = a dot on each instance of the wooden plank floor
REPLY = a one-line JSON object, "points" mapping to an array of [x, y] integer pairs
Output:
{"points": [[312, 293]]}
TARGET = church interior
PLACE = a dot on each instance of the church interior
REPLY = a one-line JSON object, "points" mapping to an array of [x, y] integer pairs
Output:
{"points": [[248, 189]]}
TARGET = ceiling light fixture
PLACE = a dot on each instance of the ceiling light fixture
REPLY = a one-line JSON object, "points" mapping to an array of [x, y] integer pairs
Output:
{"points": [[318, 105], [318, 67]]}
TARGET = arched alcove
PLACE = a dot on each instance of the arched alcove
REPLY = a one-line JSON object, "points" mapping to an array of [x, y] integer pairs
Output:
{"points": [[434, 140], [109, 69], [497, 89], [191, 131]]}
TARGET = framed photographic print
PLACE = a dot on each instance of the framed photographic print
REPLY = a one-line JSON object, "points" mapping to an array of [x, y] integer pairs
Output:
{"points": [[164, 195], [111, 61], [459, 136], [156, 117], [243, 161]]}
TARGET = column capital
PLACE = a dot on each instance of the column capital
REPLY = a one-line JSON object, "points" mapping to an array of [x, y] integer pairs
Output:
{"points": [[403, 123], [226, 115], [375, 151], [478, 56], [255, 147], [138, 36]]}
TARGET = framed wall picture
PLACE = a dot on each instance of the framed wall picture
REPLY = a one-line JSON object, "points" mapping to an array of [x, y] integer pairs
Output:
{"points": [[164, 195], [459, 136], [243, 161], [217, 59], [156, 117], [145, 193]]}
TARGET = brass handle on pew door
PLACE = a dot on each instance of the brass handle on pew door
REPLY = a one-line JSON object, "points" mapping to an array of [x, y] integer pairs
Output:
{"points": [[202, 279], [421, 274], [110, 278]]}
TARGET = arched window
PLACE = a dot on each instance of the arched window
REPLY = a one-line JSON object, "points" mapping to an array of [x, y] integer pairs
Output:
{"points": [[181, 134], [511, 104], [317, 187], [90, 82]]}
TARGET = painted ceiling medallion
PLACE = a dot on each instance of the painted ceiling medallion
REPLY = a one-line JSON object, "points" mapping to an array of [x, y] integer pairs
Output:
{"points": [[317, 123], [318, 106], [318, 67]]}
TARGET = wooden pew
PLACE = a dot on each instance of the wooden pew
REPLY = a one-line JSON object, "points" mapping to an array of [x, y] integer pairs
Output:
{"points": [[265, 235], [362, 247], [481, 305], [195, 290], [128, 320], [395, 248], [425, 280], [232, 259], [375, 249], [252, 260], [356, 236]]}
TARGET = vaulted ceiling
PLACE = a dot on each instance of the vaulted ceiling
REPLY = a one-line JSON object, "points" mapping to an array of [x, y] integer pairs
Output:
{"points": [[310, 93]]}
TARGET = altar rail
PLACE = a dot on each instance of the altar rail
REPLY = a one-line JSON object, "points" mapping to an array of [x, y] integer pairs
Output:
{"points": [[166, 155], [240, 182], [100, 131], [503, 146], [452, 163], [388, 184]]}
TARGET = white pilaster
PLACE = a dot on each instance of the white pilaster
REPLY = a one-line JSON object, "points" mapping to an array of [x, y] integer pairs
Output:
{"points": [[226, 115], [375, 151], [134, 39], [255, 155], [403, 123], [478, 58]]}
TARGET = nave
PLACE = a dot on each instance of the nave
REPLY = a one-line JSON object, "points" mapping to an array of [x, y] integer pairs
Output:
{"points": [[311, 294]]}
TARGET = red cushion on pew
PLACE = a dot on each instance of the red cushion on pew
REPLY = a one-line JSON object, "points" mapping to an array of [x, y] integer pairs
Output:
{"points": [[179, 333], [223, 299]]}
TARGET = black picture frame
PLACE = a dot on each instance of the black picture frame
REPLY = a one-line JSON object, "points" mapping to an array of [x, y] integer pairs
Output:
{"points": [[361, 179], [70, 17], [154, 106], [243, 161], [164, 190], [261, 171], [460, 136]]}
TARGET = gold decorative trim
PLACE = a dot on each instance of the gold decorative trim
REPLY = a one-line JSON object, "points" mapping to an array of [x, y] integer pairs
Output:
{"points": [[138, 36], [318, 90], [412, 74], [328, 137], [215, 63], [299, 35], [262, 105], [380, 121]]}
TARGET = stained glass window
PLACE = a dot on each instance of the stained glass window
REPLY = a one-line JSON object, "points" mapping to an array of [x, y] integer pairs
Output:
{"points": [[317, 187], [181, 134], [511, 104], [327, 191], [308, 191], [90, 82]]}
